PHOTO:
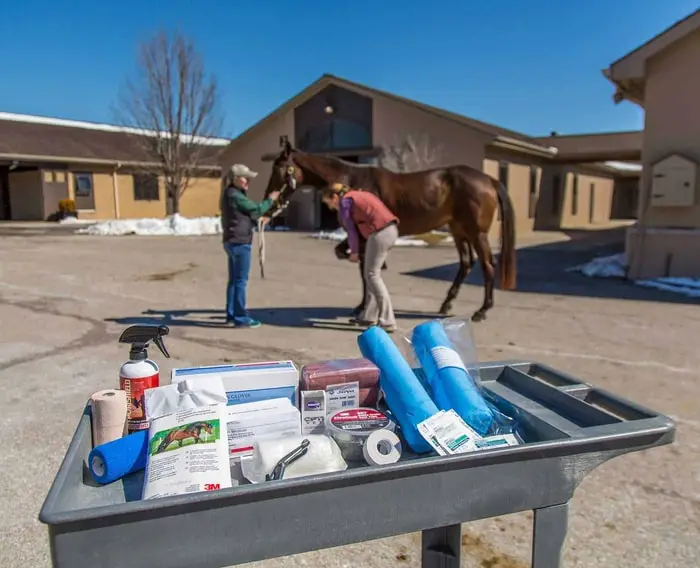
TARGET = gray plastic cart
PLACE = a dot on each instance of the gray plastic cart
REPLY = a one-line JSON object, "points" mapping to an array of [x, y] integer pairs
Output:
{"points": [[572, 427]]}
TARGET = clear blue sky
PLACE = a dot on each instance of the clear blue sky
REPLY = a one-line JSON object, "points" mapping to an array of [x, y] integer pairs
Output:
{"points": [[529, 65]]}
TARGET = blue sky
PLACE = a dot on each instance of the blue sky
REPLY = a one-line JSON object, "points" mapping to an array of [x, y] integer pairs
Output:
{"points": [[529, 65]]}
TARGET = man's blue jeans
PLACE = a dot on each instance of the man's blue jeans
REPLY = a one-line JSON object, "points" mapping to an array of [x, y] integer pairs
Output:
{"points": [[238, 271]]}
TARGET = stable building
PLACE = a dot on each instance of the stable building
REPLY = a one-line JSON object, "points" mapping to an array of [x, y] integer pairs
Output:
{"points": [[555, 182], [102, 168], [663, 77], [590, 181]]}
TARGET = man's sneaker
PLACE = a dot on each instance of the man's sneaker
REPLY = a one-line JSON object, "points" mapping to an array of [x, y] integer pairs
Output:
{"points": [[250, 324]]}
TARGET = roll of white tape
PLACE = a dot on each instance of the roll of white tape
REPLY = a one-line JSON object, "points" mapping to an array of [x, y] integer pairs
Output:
{"points": [[382, 447]]}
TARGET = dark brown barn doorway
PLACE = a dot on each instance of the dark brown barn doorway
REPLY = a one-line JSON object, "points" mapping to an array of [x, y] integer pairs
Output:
{"points": [[5, 212]]}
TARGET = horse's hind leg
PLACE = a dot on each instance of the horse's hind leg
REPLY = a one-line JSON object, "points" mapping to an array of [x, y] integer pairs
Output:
{"points": [[483, 251], [466, 261]]}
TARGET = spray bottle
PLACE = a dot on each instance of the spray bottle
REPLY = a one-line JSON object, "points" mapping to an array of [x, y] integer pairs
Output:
{"points": [[139, 372]]}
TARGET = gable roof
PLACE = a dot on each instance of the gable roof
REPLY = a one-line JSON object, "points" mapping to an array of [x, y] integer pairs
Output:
{"points": [[35, 138], [502, 135], [629, 72]]}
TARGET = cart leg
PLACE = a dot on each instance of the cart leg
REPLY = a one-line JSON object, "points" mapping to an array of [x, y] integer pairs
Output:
{"points": [[441, 547], [549, 535]]}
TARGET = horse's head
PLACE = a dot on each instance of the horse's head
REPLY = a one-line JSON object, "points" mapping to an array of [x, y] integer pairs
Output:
{"points": [[286, 175], [292, 169]]}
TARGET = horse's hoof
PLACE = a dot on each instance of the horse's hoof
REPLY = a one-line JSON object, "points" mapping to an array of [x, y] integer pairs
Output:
{"points": [[445, 310], [478, 316]]}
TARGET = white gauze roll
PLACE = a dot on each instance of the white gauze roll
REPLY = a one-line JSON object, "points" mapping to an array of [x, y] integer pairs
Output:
{"points": [[108, 415], [382, 447]]}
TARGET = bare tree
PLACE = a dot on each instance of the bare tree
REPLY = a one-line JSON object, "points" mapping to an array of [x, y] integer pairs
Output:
{"points": [[172, 106], [410, 154]]}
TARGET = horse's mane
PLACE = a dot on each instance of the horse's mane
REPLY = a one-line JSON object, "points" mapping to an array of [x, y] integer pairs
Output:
{"points": [[336, 160]]}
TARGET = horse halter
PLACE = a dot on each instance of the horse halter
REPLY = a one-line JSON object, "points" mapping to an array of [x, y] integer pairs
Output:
{"points": [[290, 179], [290, 182]]}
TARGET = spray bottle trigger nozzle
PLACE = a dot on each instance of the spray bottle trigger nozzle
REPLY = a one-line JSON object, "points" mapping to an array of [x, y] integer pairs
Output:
{"points": [[160, 344]]}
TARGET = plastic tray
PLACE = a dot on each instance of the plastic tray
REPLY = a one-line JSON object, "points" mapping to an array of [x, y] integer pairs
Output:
{"points": [[571, 428]]}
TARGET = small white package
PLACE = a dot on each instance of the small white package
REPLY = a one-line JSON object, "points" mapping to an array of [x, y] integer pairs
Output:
{"points": [[322, 456], [448, 434], [313, 412], [187, 453], [184, 395], [342, 396]]}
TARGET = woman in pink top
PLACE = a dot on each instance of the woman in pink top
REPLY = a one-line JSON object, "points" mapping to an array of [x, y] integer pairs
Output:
{"points": [[364, 211]]}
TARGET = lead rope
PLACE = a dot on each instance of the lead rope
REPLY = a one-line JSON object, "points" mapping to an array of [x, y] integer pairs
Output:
{"points": [[261, 234]]}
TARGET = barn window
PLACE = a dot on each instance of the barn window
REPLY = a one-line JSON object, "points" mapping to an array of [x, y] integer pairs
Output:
{"points": [[146, 187]]}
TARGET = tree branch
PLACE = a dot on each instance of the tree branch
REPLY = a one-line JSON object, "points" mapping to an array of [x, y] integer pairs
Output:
{"points": [[410, 154], [173, 107]]}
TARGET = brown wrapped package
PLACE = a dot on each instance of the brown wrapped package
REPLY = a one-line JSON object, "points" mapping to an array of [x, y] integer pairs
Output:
{"points": [[368, 397], [317, 376]]}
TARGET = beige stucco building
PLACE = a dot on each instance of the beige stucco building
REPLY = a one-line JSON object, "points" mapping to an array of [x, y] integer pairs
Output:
{"points": [[663, 77], [357, 123], [100, 167]]}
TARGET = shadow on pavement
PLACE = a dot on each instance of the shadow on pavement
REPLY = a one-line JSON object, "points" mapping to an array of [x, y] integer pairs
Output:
{"points": [[303, 317], [542, 269]]}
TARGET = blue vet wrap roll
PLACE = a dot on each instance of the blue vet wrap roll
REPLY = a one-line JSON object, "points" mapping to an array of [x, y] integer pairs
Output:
{"points": [[404, 393], [452, 387], [114, 460]]}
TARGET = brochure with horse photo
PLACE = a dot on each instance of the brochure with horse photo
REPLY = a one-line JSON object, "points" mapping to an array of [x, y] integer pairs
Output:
{"points": [[187, 452]]}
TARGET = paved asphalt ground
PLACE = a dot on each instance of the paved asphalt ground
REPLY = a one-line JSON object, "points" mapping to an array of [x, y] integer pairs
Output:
{"points": [[65, 298]]}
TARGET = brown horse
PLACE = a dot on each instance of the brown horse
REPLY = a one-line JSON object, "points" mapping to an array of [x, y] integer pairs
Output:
{"points": [[461, 197], [190, 431]]}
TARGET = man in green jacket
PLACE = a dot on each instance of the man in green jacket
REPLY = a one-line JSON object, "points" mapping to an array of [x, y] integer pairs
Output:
{"points": [[238, 217]]}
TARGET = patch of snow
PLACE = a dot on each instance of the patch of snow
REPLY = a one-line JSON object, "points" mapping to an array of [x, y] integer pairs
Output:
{"points": [[409, 241], [174, 225], [686, 286], [615, 266], [74, 221]]}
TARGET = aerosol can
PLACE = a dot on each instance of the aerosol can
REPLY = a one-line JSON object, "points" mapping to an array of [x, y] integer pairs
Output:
{"points": [[139, 372]]}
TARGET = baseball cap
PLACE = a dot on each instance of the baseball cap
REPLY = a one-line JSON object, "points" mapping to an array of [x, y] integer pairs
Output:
{"points": [[241, 170]]}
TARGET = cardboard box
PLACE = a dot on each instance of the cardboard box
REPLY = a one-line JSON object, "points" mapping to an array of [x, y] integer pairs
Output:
{"points": [[313, 412], [248, 422], [250, 382]]}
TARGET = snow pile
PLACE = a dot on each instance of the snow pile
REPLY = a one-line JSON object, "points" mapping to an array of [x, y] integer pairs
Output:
{"points": [[74, 221], [176, 225], [340, 235], [615, 266], [688, 286]]}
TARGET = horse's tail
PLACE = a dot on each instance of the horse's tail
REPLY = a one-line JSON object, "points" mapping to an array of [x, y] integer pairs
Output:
{"points": [[507, 268]]}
